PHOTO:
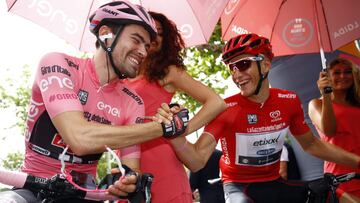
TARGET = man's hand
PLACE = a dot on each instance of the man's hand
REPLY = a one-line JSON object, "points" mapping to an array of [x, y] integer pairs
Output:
{"points": [[123, 186]]}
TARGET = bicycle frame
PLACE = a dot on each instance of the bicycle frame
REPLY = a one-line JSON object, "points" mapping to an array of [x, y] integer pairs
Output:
{"points": [[63, 185], [320, 189]]}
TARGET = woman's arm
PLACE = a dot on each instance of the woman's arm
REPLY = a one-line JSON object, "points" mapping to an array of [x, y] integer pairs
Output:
{"points": [[327, 151], [321, 111], [212, 103]]}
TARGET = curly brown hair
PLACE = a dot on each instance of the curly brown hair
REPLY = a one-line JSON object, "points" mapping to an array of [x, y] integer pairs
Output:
{"points": [[353, 94], [156, 65]]}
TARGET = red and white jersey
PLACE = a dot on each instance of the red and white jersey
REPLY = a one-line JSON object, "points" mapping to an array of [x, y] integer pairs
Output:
{"points": [[62, 84], [252, 135]]}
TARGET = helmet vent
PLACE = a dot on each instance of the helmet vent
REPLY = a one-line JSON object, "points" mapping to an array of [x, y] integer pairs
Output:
{"points": [[255, 43], [247, 37]]}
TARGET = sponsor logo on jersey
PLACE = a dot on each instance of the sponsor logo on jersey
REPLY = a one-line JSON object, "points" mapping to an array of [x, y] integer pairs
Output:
{"points": [[287, 96], [265, 151], [139, 120], [72, 64], [252, 118], [62, 82], [96, 118], [275, 116], [266, 128], [59, 142], [33, 110], [225, 150], [231, 104], [132, 95], [40, 150], [54, 69], [244, 161], [266, 141], [65, 96], [83, 96], [108, 109]]}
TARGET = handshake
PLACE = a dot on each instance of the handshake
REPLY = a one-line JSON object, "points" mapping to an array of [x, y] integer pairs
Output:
{"points": [[173, 120]]}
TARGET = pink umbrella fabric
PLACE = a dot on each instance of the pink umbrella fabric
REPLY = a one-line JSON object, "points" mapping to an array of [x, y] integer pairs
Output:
{"points": [[295, 26], [68, 19]]}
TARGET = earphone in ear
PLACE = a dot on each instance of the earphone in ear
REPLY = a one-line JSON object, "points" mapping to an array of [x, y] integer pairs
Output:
{"points": [[107, 36]]}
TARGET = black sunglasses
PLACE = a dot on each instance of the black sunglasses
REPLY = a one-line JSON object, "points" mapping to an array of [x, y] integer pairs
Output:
{"points": [[244, 63]]}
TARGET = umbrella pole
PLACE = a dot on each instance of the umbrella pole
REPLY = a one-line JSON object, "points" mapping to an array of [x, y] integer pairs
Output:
{"points": [[322, 53]]}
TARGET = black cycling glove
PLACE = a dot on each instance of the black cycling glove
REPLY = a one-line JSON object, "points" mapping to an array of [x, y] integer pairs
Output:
{"points": [[178, 124], [143, 185]]}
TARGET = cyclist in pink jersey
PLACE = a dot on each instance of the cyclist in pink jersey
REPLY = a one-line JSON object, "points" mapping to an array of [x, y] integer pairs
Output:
{"points": [[336, 116], [84, 104], [161, 75], [252, 129]]}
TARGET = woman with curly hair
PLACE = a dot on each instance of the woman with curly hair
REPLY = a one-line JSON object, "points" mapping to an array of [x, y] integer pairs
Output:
{"points": [[160, 76], [336, 116]]}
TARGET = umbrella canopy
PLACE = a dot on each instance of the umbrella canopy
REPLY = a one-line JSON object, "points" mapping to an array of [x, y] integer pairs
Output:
{"points": [[295, 26], [68, 19]]}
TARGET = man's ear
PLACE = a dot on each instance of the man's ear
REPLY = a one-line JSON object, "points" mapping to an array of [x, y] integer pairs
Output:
{"points": [[266, 65], [105, 33]]}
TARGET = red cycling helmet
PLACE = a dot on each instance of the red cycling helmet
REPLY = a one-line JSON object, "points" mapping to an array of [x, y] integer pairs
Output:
{"points": [[246, 44], [122, 12]]}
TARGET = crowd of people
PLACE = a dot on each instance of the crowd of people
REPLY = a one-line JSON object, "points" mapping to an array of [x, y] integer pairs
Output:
{"points": [[120, 99]]}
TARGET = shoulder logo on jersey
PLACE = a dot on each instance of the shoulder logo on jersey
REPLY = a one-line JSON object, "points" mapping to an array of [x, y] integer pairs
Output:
{"points": [[275, 115], [65, 96], [231, 104], [287, 96], [72, 64], [54, 69], [83, 96], [252, 118], [63, 82]]}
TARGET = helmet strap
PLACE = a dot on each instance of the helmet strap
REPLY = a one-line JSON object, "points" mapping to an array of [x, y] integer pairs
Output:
{"points": [[109, 51], [262, 77]]}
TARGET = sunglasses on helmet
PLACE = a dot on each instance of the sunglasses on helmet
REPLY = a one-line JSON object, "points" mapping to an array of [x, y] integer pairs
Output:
{"points": [[244, 63]]}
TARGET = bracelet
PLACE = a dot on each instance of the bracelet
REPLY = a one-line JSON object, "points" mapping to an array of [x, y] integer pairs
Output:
{"points": [[183, 146]]}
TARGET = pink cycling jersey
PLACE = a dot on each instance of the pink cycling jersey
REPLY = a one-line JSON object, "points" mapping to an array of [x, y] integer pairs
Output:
{"points": [[252, 135], [62, 84]]}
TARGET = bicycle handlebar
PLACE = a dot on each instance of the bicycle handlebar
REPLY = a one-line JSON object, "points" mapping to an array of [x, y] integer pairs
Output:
{"points": [[320, 189], [51, 187], [347, 177]]}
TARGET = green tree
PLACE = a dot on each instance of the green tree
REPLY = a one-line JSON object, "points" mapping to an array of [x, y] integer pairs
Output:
{"points": [[15, 94], [204, 64], [13, 161]]}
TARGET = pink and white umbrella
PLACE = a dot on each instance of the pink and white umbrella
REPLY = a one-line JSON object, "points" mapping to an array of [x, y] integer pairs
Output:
{"points": [[68, 19], [295, 26]]}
